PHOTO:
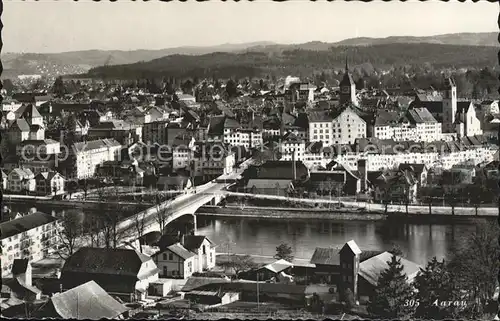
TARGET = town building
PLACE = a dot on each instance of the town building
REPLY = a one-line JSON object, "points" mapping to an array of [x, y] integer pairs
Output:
{"points": [[342, 126], [182, 255], [92, 153], [49, 183], [29, 237], [213, 160], [123, 132], [351, 268], [21, 180], [123, 273], [87, 301]]}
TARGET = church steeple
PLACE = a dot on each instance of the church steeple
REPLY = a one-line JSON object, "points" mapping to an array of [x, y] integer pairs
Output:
{"points": [[346, 65]]}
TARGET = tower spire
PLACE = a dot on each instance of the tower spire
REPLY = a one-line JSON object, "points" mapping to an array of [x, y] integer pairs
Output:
{"points": [[346, 66]]}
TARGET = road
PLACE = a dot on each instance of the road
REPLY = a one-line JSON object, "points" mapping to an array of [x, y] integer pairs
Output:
{"points": [[412, 209]]}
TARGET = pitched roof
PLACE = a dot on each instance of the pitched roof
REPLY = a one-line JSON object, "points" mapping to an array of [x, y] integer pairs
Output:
{"points": [[463, 106], [386, 117], [96, 144], [353, 247], [180, 251], [19, 266], [194, 242], [196, 282], [20, 124], [27, 112], [278, 266], [281, 170], [122, 262], [370, 269], [420, 115], [24, 224], [86, 301], [326, 256]]}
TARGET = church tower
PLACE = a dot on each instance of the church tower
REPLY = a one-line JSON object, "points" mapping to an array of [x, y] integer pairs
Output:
{"points": [[347, 88], [449, 105]]}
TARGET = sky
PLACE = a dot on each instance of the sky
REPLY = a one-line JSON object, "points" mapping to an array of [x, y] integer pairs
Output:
{"points": [[55, 26]]}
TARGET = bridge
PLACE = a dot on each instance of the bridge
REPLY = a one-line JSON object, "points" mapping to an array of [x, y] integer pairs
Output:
{"points": [[186, 204]]}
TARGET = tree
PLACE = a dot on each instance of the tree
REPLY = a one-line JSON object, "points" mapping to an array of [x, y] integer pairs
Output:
{"points": [[71, 230], [58, 88], [435, 284], [161, 214], [139, 224], [396, 250], [474, 263], [9, 86], [71, 187], [284, 251], [231, 88], [392, 292], [451, 198], [239, 263]]}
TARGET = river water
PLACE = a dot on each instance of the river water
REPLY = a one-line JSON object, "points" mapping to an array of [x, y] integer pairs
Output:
{"points": [[419, 242]]}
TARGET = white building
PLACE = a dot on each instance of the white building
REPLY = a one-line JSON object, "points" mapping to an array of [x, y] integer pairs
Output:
{"points": [[29, 237], [466, 121], [426, 127], [92, 153], [341, 127], [21, 180]]}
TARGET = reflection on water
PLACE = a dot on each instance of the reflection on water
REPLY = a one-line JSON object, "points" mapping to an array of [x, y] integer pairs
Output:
{"points": [[419, 242]]}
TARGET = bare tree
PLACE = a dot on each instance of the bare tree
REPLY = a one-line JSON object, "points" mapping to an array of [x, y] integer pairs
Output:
{"points": [[161, 214], [139, 220], [70, 232]]}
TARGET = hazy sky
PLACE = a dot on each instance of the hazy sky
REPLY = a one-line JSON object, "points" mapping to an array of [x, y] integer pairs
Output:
{"points": [[50, 26]]}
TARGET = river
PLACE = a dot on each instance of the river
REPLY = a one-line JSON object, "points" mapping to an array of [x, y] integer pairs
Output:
{"points": [[419, 242]]}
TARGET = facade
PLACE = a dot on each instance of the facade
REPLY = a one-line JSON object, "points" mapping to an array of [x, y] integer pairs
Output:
{"points": [[92, 153], [425, 126], [466, 121], [180, 256], [341, 127], [292, 147], [29, 237], [21, 180], [213, 160], [155, 132], [49, 183], [123, 132]]}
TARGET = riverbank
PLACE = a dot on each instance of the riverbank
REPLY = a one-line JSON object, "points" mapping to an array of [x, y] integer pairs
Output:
{"points": [[339, 214]]}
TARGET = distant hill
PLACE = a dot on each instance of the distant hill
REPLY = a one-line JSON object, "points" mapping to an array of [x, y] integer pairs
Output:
{"points": [[464, 39], [299, 61], [81, 61]]}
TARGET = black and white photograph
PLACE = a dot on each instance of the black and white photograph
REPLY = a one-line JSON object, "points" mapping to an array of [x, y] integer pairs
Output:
{"points": [[250, 160]]}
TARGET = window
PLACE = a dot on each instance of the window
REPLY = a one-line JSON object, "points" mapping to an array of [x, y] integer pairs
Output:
{"points": [[164, 256], [165, 270], [171, 257]]}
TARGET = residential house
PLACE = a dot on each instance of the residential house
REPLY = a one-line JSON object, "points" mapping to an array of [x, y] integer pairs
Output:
{"points": [[420, 172], [275, 177], [396, 186], [182, 151], [123, 273], [278, 272], [5, 179], [123, 132], [49, 183], [87, 301], [21, 180], [173, 183], [38, 149], [292, 148], [31, 236], [212, 160], [182, 255], [21, 284]]}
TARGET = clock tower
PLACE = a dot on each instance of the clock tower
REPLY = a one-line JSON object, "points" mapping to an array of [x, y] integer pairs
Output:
{"points": [[348, 88]]}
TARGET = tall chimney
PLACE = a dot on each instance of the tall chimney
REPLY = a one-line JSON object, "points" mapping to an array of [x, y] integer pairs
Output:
{"points": [[363, 170], [294, 165]]}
